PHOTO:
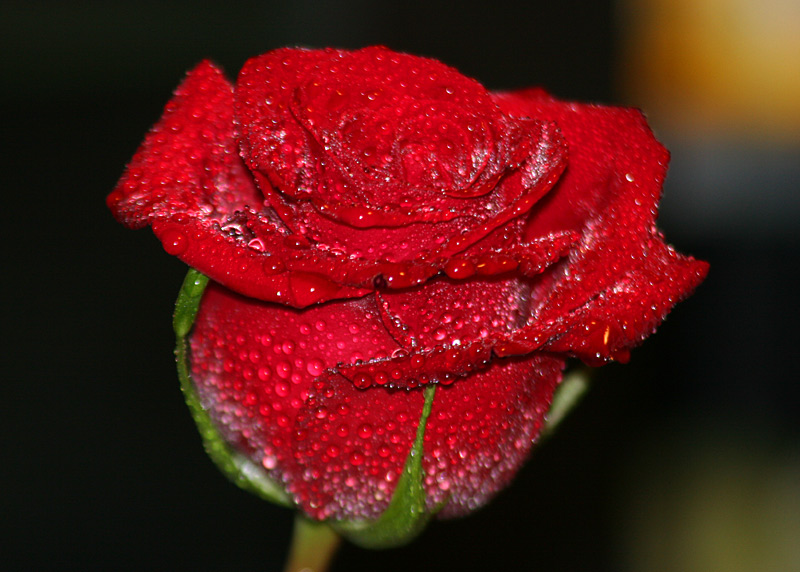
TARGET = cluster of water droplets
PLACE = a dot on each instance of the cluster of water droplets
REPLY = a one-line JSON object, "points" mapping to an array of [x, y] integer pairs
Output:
{"points": [[352, 446], [482, 429], [254, 365]]}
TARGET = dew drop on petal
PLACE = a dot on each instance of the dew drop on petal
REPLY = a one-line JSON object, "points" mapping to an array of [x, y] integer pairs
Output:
{"points": [[315, 367], [365, 431], [175, 242], [283, 369]]}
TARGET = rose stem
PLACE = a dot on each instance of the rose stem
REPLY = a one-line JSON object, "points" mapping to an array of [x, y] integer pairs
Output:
{"points": [[313, 546]]}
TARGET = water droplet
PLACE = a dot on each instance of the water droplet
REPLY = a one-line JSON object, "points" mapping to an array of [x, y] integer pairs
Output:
{"points": [[459, 269], [175, 242], [281, 389], [283, 369], [272, 265], [315, 367], [365, 431], [362, 381]]}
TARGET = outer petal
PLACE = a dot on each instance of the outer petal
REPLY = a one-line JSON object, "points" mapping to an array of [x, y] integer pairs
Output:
{"points": [[352, 443], [619, 283], [253, 364], [188, 181], [481, 430], [351, 446], [268, 377], [188, 164], [452, 313]]}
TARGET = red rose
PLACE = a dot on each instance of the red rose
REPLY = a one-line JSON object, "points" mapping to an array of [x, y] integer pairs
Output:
{"points": [[375, 223]]}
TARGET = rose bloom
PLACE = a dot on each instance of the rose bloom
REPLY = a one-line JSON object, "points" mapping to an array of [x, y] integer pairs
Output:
{"points": [[374, 224]]}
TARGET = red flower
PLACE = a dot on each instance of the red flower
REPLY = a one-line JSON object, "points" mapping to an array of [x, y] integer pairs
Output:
{"points": [[374, 223]]}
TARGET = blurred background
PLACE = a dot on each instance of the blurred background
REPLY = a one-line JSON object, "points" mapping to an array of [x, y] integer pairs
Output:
{"points": [[687, 459]]}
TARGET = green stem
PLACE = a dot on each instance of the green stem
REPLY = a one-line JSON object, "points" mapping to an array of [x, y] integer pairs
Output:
{"points": [[313, 546]]}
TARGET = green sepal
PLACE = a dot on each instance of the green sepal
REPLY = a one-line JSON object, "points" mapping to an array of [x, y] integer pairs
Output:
{"points": [[567, 395], [406, 516], [238, 468]]}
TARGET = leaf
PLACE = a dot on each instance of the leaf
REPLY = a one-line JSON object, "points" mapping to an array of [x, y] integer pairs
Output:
{"points": [[566, 397]]}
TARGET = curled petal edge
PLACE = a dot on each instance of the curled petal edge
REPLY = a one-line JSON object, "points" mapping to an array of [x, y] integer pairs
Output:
{"points": [[302, 275]]}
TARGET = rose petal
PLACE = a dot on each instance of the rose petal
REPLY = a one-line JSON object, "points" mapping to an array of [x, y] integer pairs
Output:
{"points": [[339, 452], [189, 161], [352, 444], [625, 313], [350, 447], [255, 256], [492, 222], [304, 115], [189, 183], [621, 280], [447, 312], [481, 430], [253, 364], [295, 104]]}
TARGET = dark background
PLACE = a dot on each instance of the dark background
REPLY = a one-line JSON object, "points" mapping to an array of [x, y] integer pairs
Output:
{"points": [[102, 467]]}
